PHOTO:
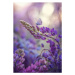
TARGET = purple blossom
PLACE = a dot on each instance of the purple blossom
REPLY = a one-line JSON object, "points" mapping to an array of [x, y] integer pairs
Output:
{"points": [[48, 41], [47, 30], [45, 55], [52, 43], [56, 54], [60, 36], [42, 64], [39, 66], [37, 28], [57, 39], [28, 68], [37, 36], [35, 66], [58, 47], [60, 56], [51, 65], [47, 35], [37, 63], [42, 61], [53, 32], [43, 38], [43, 29], [33, 71], [32, 66], [20, 52], [32, 41], [50, 57], [42, 45], [21, 59], [33, 28], [39, 48], [53, 49], [18, 60]]}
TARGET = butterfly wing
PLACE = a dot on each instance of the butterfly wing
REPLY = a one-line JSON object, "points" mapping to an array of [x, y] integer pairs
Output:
{"points": [[39, 22]]}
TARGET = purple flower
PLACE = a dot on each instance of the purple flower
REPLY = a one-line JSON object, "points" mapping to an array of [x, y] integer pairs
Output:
{"points": [[18, 60], [57, 39], [45, 55], [48, 41], [32, 66], [53, 32], [35, 66], [33, 71], [50, 57], [42, 61], [42, 45], [33, 28], [53, 49], [47, 35], [43, 38], [28, 68], [43, 29], [37, 36], [60, 56], [51, 65], [22, 59], [20, 52], [37, 63], [39, 48], [32, 32], [47, 30], [56, 54], [41, 65], [22, 66], [41, 69], [52, 43], [58, 47], [32, 41], [37, 28], [44, 66], [60, 36]]}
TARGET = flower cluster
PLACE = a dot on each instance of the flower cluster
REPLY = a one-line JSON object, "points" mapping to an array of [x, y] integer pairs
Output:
{"points": [[18, 60], [39, 66], [29, 46], [49, 60], [41, 33]]}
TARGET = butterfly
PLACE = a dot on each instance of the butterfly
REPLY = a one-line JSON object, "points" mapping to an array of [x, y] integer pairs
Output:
{"points": [[39, 22]]}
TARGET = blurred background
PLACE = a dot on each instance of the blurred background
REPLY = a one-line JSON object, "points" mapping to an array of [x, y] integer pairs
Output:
{"points": [[49, 13]]}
